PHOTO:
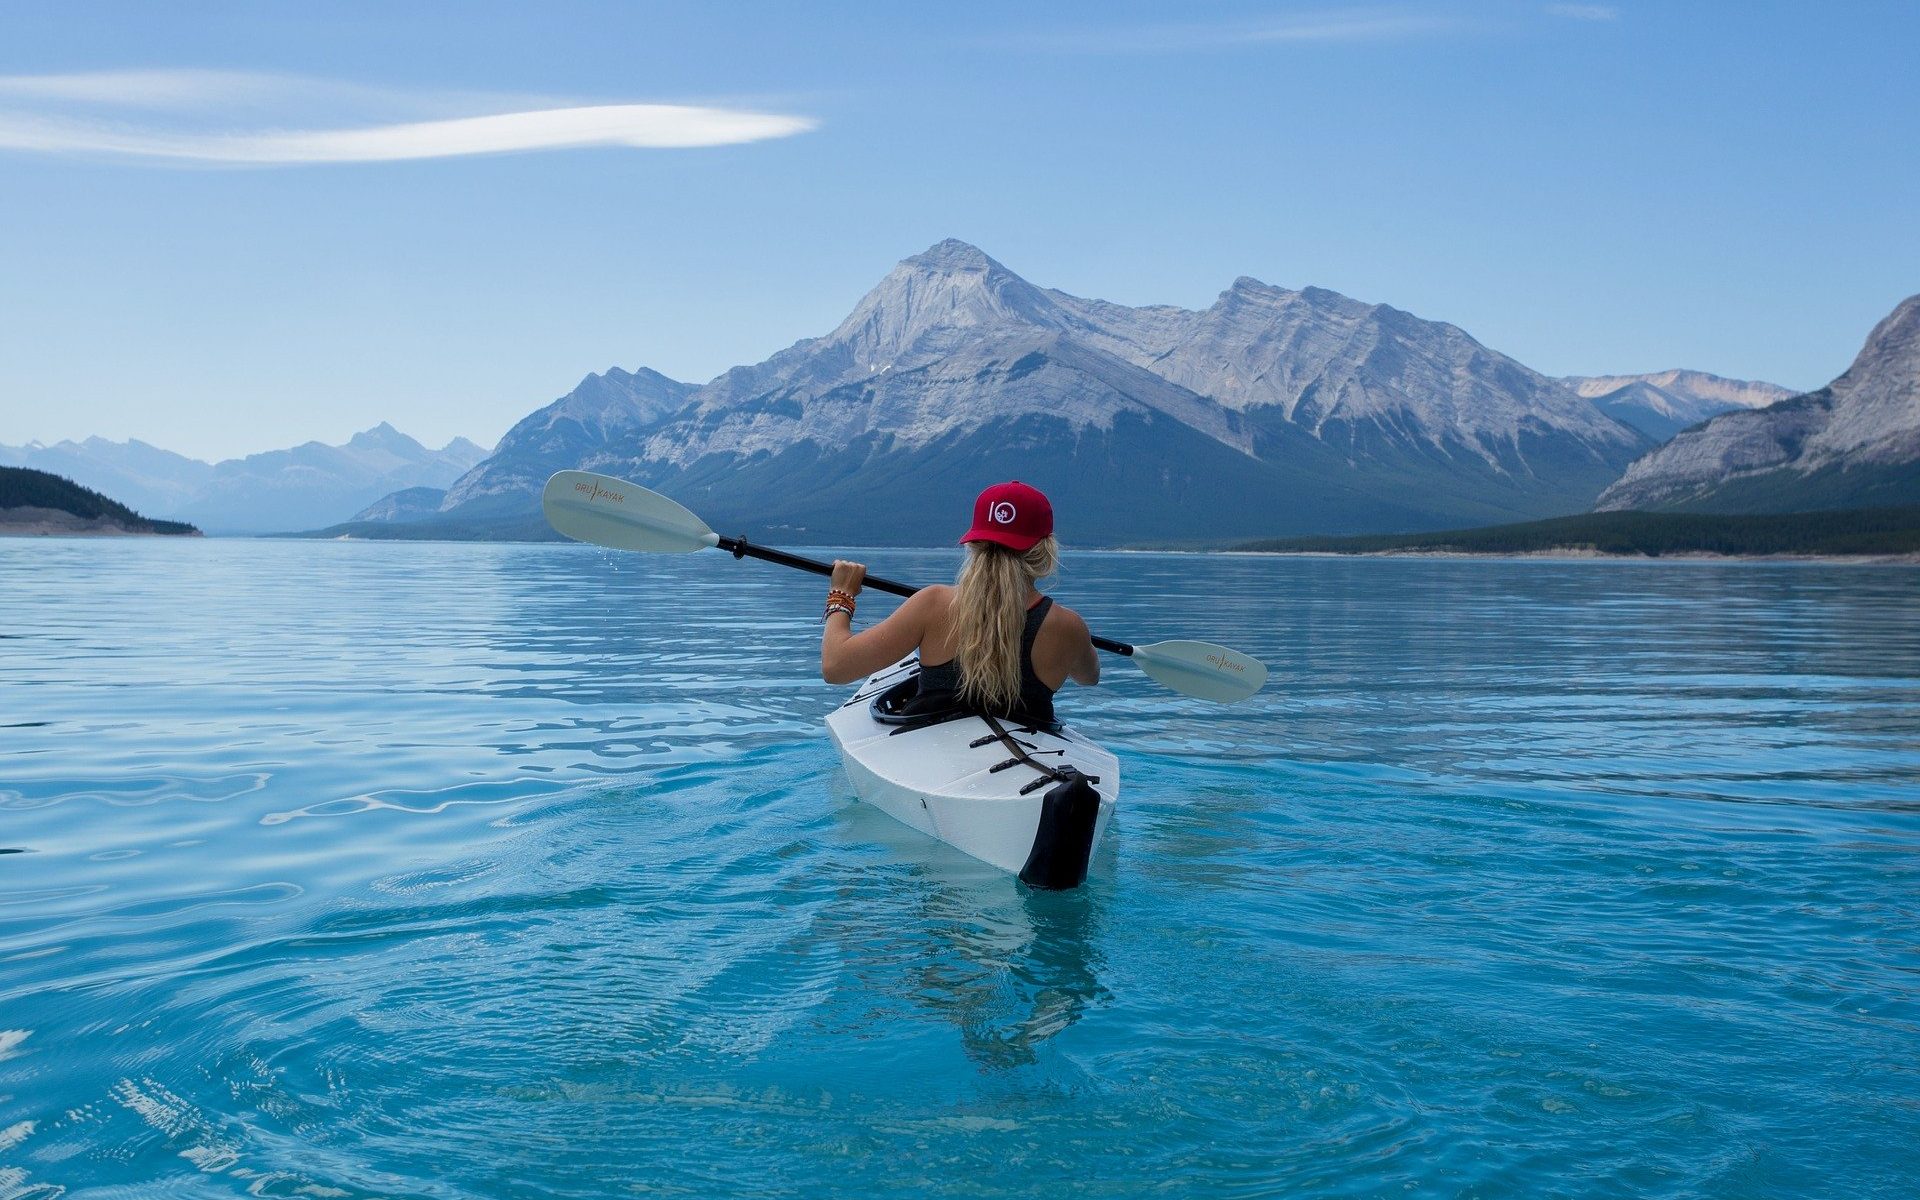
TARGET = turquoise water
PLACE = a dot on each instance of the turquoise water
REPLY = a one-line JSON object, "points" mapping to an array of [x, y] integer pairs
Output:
{"points": [[377, 870]]}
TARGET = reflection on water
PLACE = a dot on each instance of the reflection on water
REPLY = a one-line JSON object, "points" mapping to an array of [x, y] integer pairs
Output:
{"points": [[1021, 970], [370, 870]]}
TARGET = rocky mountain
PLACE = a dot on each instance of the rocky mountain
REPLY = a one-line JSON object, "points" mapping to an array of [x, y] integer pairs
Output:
{"points": [[1853, 443], [603, 410], [409, 504], [299, 488], [1397, 397], [1663, 403], [1271, 411]]}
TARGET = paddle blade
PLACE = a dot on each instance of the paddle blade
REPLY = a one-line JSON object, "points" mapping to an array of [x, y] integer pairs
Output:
{"points": [[623, 516], [1202, 670]]}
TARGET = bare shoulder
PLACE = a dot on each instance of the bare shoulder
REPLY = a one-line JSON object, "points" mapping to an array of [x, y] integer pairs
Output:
{"points": [[928, 607], [1067, 621]]}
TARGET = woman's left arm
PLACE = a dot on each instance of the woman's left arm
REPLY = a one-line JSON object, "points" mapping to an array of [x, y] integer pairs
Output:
{"points": [[845, 655]]}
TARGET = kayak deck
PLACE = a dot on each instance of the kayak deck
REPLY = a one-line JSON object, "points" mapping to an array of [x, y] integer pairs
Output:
{"points": [[956, 780]]}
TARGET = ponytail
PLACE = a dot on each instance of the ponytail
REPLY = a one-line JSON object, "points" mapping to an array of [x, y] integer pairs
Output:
{"points": [[989, 614]]}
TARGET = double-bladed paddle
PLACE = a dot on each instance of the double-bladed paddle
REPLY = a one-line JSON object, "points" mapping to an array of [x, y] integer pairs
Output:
{"points": [[625, 516]]}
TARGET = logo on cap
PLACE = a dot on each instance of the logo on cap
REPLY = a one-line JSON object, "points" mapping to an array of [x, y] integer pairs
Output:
{"points": [[1012, 514]]}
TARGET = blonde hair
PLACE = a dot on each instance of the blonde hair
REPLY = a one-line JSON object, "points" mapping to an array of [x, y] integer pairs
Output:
{"points": [[989, 614]]}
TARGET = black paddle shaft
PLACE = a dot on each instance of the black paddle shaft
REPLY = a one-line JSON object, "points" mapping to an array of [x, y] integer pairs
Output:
{"points": [[740, 547]]}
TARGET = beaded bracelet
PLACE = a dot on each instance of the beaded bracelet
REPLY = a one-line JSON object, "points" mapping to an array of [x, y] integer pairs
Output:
{"points": [[834, 608], [837, 596]]}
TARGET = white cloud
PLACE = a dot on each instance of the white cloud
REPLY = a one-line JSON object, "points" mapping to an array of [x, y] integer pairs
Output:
{"points": [[1585, 12], [1343, 25], [145, 89], [286, 120], [642, 126]]}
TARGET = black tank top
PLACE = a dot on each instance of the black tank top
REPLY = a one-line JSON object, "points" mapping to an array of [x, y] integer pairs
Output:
{"points": [[940, 683]]}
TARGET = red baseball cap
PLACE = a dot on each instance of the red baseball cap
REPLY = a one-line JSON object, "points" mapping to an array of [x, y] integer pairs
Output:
{"points": [[1012, 514]]}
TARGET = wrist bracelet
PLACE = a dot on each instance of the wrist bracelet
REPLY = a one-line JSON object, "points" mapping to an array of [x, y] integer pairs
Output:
{"points": [[838, 608]]}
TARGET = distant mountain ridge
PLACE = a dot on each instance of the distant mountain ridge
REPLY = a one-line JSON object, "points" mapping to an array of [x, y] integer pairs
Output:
{"points": [[281, 490], [1270, 411], [146, 477], [1853, 443], [1662, 403]]}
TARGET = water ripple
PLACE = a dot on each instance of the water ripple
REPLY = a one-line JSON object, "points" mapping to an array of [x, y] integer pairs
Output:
{"points": [[365, 870]]}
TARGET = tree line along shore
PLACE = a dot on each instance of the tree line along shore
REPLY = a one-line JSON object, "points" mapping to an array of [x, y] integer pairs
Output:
{"points": [[37, 503], [1879, 532]]}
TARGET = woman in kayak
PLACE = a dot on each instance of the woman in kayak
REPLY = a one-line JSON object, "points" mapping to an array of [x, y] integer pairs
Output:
{"points": [[991, 641]]}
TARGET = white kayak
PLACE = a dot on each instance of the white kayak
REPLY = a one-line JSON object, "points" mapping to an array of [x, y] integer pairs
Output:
{"points": [[1030, 801]]}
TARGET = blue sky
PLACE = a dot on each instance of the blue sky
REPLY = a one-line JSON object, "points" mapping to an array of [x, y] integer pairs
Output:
{"points": [[1587, 187]]}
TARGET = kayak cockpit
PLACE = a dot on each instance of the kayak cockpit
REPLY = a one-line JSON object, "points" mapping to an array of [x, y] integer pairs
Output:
{"points": [[901, 704]]}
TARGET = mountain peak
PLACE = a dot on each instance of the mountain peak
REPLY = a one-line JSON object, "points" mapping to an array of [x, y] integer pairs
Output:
{"points": [[464, 447], [1256, 295], [952, 254], [1896, 336], [1249, 295], [385, 437], [934, 301]]}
